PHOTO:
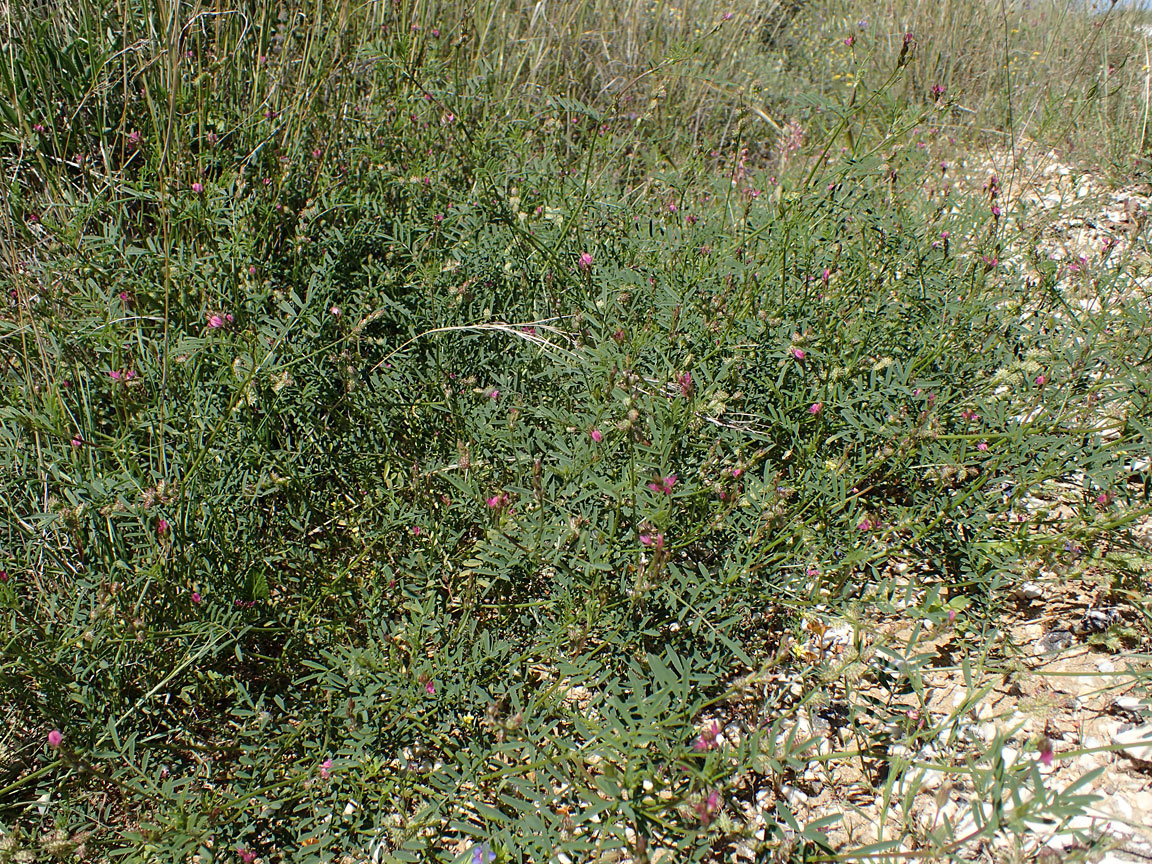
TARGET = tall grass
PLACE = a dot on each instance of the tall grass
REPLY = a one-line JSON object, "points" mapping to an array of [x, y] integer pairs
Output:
{"points": [[421, 424]]}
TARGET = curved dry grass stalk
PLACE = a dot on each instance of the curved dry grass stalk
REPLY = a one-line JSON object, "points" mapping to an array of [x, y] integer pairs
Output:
{"points": [[521, 331]]}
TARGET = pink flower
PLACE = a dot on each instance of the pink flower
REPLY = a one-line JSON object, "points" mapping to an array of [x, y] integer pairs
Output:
{"points": [[597, 435], [826, 275], [865, 525], [951, 616], [685, 381], [982, 446], [1104, 499], [996, 211], [55, 738], [707, 739], [3, 575], [849, 41], [162, 526], [1041, 380], [727, 16], [937, 91], [196, 598], [78, 441], [585, 260], [707, 808], [736, 472], [252, 270], [326, 768], [497, 502], [663, 484], [335, 312], [317, 153], [215, 322], [429, 686], [197, 187], [1047, 753], [495, 394], [815, 407], [619, 337], [246, 855], [417, 530], [656, 541], [798, 353]]}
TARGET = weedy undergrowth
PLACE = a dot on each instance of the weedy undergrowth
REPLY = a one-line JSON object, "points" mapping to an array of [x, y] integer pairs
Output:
{"points": [[408, 456]]}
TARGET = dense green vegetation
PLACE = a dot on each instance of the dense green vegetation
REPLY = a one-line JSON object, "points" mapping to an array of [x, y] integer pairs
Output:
{"points": [[421, 424]]}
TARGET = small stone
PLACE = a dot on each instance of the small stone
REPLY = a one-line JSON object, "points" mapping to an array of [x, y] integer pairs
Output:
{"points": [[1097, 620], [1031, 632], [1141, 801], [1082, 822], [1129, 704], [794, 796], [1136, 743], [1122, 808], [1106, 666], [920, 780], [1087, 761], [1054, 641], [1030, 591]]}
